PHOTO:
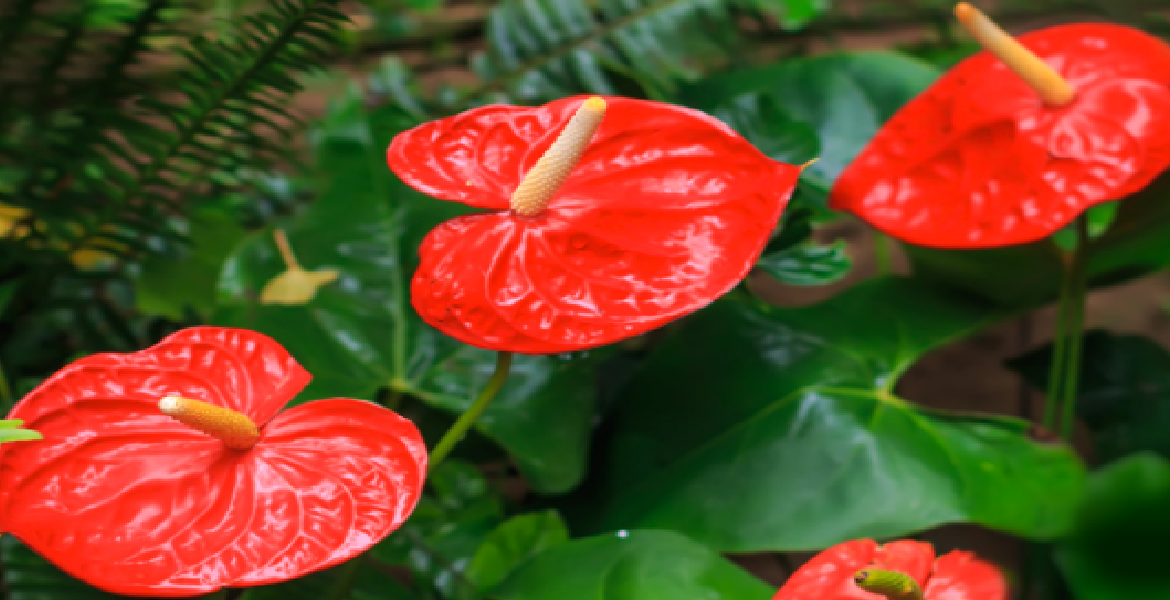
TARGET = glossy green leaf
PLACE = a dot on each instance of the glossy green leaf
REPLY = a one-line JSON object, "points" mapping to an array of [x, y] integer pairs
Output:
{"points": [[756, 428], [168, 286], [456, 514], [1118, 551], [512, 544], [808, 263], [1123, 392], [631, 565], [761, 121], [792, 14], [843, 98], [359, 333], [30, 577]]}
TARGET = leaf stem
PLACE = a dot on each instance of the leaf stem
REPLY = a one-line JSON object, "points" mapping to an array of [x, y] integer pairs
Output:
{"points": [[463, 424], [1078, 274]]}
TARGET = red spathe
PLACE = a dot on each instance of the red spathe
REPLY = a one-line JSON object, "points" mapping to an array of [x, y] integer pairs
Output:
{"points": [[978, 160], [133, 502], [953, 576], [667, 210]]}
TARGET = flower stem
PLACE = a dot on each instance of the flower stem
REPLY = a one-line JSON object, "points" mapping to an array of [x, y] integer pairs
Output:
{"points": [[881, 253], [463, 424], [1056, 368], [1078, 274]]}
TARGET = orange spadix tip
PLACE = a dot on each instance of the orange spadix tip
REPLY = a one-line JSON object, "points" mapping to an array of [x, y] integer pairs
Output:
{"points": [[234, 429]]}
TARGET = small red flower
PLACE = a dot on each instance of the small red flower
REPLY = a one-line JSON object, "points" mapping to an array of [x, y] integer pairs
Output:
{"points": [[980, 159], [954, 576], [632, 220], [136, 502]]}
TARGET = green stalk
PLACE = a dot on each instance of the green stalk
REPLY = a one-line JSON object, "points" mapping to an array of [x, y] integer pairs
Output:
{"points": [[1056, 369], [881, 252], [463, 424], [1078, 273], [6, 398]]}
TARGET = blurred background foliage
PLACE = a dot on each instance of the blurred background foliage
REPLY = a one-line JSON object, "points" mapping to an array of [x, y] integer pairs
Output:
{"points": [[151, 149]]}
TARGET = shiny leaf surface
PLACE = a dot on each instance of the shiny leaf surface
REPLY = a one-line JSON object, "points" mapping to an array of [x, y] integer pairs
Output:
{"points": [[1118, 549], [834, 103], [1010, 169], [756, 428], [359, 333], [458, 512], [1124, 391], [667, 210], [633, 565], [808, 263], [954, 576], [170, 285], [132, 501], [512, 544]]}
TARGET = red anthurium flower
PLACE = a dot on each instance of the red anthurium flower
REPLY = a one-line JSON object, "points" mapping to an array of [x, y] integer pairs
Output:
{"points": [[225, 491], [902, 570], [1015, 142], [639, 213]]}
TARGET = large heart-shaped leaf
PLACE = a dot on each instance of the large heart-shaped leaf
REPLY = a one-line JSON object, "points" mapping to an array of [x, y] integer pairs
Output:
{"points": [[631, 565], [1118, 551], [359, 333], [757, 428], [512, 544], [841, 98], [1123, 393]]}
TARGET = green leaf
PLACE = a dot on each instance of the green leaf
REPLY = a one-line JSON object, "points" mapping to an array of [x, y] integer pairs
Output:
{"points": [[450, 523], [633, 565], [808, 263], [360, 333], [792, 14], [512, 544], [756, 428], [761, 121], [1118, 551], [169, 285], [18, 435], [30, 577], [1123, 393], [844, 98], [541, 50]]}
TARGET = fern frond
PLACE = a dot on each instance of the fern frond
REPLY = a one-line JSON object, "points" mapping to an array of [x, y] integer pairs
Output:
{"points": [[132, 163], [539, 50]]}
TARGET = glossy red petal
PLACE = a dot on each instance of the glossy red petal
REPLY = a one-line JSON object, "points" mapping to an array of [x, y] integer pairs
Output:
{"points": [[961, 576], [906, 556], [829, 575], [136, 503], [477, 157], [667, 210], [978, 161]]}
